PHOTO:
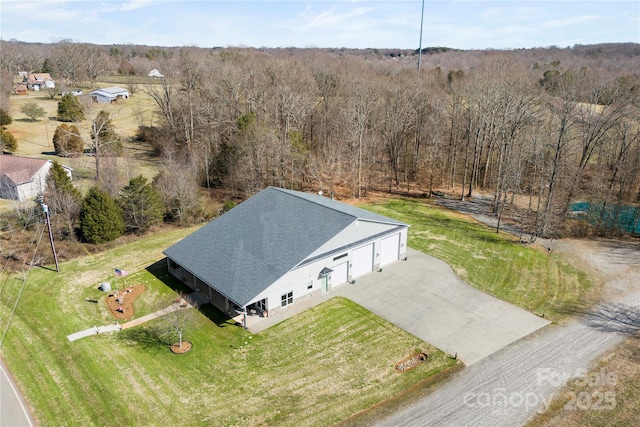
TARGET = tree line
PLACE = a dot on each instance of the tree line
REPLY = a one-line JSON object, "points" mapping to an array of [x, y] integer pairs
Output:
{"points": [[505, 126], [535, 129]]}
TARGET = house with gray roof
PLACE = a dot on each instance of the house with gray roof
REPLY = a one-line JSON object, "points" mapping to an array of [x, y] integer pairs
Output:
{"points": [[281, 246], [109, 95], [24, 178]]}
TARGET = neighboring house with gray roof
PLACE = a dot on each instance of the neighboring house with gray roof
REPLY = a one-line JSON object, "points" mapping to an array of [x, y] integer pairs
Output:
{"points": [[109, 95], [281, 246], [24, 178]]}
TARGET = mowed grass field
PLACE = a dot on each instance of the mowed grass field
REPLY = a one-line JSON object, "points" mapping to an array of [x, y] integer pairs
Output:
{"points": [[314, 369], [495, 262], [35, 139]]}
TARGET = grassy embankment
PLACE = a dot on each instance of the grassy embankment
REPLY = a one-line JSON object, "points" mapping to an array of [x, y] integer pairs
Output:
{"points": [[495, 262], [607, 396]]}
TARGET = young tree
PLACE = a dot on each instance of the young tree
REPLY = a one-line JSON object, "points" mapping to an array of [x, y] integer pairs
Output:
{"points": [[8, 142], [69, 109], [105, 142], [178, 188], [67, 141], [177, 323], [100, 217], [63, 200], [33, 111], [141, 205]]}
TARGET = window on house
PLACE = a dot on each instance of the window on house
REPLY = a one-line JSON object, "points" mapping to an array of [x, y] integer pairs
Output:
{"points": [[340, 256], [287, 299]]}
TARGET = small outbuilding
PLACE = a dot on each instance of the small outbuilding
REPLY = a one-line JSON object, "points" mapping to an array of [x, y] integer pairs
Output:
{"points": [[109, 95], [20, 89], [282, 246], [24, 178]]}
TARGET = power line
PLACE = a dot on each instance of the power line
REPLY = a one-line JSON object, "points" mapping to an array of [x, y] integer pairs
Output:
{"points": [[24, 283]]}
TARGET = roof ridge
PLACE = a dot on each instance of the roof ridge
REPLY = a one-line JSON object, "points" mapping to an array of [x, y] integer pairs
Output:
{"points": [[299, 194]]}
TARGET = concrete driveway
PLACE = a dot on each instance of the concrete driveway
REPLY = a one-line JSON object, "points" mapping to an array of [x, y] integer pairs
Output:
{"points": [[424, 297]]}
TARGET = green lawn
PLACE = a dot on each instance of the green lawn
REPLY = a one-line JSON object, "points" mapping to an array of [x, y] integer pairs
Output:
{"points": [[495, 262], [315, 369]]}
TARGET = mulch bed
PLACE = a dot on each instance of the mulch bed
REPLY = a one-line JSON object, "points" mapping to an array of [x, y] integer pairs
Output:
{"points": [[411, 362], [123, 311], [186, 346]]}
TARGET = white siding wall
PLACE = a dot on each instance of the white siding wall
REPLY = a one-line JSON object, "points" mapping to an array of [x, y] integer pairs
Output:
{"points": [[31, 189], [297, 279]]}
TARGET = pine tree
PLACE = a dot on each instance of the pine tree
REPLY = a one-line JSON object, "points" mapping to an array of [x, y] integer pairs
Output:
{"points": [[141, 204], [47, 66], [69, 109], [67, 140], [100, 217]]}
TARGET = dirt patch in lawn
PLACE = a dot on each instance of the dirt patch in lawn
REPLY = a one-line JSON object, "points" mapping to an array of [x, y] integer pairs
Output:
{"points": [[120, 302]]}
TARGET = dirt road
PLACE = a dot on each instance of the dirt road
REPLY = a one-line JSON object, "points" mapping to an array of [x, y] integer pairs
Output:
{"points": [[510, 386]]}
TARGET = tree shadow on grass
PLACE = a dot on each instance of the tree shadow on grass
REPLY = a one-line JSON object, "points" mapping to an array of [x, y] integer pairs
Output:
{"points": [[147, 336]]}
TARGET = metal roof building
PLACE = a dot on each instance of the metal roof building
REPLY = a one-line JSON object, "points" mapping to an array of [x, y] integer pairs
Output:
{"points": [[282, 245]]}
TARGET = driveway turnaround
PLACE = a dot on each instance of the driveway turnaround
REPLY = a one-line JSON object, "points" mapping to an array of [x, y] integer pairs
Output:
{"points": [[423, 296]]}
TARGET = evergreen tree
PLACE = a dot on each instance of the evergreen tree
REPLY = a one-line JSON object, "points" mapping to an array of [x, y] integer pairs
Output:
{"points": [[100, 217], [8, 142], [141, 204], [47, 66], [5, 118], [69, 109], [67, 140]]}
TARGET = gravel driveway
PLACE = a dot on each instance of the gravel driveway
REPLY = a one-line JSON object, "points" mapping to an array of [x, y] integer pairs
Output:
{"points": [[511, 385]]}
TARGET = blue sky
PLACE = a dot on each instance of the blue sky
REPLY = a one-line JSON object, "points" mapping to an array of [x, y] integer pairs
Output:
{"points": [[463, 24]]}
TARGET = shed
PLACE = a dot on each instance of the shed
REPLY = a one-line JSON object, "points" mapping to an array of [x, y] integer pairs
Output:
{"points": [[109, 94]]}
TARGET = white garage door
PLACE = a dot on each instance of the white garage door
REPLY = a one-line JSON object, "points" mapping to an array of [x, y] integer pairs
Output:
{"points": [[339, 274], [389, 249], [362, 260]]}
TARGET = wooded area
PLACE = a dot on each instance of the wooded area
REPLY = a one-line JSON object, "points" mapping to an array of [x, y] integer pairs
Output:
{"points": [[546, 126]]}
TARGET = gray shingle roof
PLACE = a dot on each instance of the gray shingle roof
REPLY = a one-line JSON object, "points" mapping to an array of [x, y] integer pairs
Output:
{"points": [[248, 248]]}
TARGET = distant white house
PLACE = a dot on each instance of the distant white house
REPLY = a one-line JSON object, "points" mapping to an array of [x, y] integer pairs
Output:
{"points": [[155, 73], [37, 81], [109, 95], [24, 178]]}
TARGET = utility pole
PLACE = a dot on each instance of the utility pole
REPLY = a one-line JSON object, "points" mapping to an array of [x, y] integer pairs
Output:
{"points": [[420, 44], [45, 208]]}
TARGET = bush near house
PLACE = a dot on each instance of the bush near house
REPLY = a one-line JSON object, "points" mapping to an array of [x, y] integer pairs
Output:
{"points": [[5, 118], [8, 142]]}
